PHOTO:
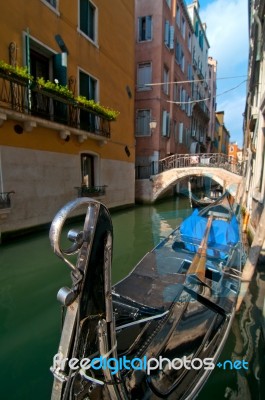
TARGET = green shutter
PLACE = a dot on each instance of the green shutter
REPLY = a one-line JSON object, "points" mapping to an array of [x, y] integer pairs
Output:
{"points": [[60, 68], [60, 73]]}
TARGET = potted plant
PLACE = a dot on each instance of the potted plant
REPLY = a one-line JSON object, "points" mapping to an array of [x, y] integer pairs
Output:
{"points": [[105, 112], [55, 88], [16, 72]]}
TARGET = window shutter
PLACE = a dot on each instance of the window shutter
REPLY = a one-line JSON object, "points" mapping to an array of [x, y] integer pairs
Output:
{"points": [[148, 27], [164, 126], [171, 38], [166, 37], [60, 68], [181, 132]]}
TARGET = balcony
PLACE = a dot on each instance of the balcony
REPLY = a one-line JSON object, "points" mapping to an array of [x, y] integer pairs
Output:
{"points": [[5, 200], [201, 105], [20, 96], [91, 191]]}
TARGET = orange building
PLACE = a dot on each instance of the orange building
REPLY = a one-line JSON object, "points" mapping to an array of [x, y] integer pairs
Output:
{"points": [[54, 145]]}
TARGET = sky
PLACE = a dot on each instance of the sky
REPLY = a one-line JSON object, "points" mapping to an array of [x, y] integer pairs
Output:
{"points": [[227, 34]]}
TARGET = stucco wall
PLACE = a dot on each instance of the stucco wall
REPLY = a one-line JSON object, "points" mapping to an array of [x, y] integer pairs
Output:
{"points": [[44, 181]]}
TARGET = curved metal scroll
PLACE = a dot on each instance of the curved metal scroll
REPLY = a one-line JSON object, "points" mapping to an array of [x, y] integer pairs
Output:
{"points": [[79, 239]]}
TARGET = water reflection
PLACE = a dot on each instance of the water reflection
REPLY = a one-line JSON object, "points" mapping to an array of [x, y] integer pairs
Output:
{"points": [[245, 342]]}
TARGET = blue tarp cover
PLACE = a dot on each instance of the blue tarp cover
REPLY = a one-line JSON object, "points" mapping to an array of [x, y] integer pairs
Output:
{"points": [[222, 233]]}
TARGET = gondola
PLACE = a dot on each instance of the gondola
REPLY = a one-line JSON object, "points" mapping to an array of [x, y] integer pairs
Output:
{"points": [[158, 332], [204, 201], [214, 196]]}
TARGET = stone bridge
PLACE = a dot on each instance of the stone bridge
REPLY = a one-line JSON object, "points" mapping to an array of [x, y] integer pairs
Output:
{"points": [[226, 173]]}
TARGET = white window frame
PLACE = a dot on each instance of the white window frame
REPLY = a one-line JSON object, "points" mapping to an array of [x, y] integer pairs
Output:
{"points": [[95, 41], [178, 16], [51, 7]]}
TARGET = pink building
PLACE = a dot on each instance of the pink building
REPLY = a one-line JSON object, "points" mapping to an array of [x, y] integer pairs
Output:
{"points": [[163, 81]]}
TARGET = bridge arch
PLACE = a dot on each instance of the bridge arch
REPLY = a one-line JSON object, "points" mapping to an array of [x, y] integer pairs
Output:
{"points": [[162, 182]]}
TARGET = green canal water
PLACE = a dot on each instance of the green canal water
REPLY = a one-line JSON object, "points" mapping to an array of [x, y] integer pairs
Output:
{"points": [[30, 325]]}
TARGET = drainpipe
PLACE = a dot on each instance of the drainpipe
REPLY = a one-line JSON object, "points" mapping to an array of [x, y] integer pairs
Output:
{"points": [[259, 44]]}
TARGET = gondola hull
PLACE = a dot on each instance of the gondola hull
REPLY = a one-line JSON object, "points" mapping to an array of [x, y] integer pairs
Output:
{"points": [[159, 332]]}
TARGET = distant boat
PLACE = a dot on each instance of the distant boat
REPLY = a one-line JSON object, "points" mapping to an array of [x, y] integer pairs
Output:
{"points": [[206, 201], [215, 194], [157, 333]]}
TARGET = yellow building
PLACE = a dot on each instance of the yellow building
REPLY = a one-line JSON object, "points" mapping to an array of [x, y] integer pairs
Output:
{"points": [[223, 135], [54, 146]]}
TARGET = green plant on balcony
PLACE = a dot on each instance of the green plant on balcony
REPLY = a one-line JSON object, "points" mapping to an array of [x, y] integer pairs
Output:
{"points": [[15, 71], [21, 73], [107, 113], [54, 87]]}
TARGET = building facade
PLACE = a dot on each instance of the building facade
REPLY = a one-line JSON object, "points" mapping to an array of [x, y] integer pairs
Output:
{"points": [[211, 103], [254, 118], [223, 135], [163, 37], [200, 86], [53, 149]]}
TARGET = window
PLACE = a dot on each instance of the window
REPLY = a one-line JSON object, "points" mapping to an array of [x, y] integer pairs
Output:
{"points": [[180, 58], [169, 35], [178, 16], [166, 80], [197, 28], [144, 76], [183, 99], [145, 28], [88, 88], [189, 41], [189, 72], [183, 27], [201, 37], [87, 170], [87, 19], [51, 3], [50, 66], [165, 124], [142, 123]]}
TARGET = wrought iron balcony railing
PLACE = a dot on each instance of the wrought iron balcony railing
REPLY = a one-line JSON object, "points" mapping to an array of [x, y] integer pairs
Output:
{"points": [[91, 191], [18, 95], [5, 200]]}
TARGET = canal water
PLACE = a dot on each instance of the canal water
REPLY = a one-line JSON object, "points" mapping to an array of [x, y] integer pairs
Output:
{"points": [[30, 325]]}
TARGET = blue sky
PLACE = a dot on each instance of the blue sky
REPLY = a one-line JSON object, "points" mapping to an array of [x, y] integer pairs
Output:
{"points": [[227, 33]]}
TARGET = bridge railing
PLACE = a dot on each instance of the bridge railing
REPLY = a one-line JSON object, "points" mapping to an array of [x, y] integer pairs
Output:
{"points": [[214, 160]]}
